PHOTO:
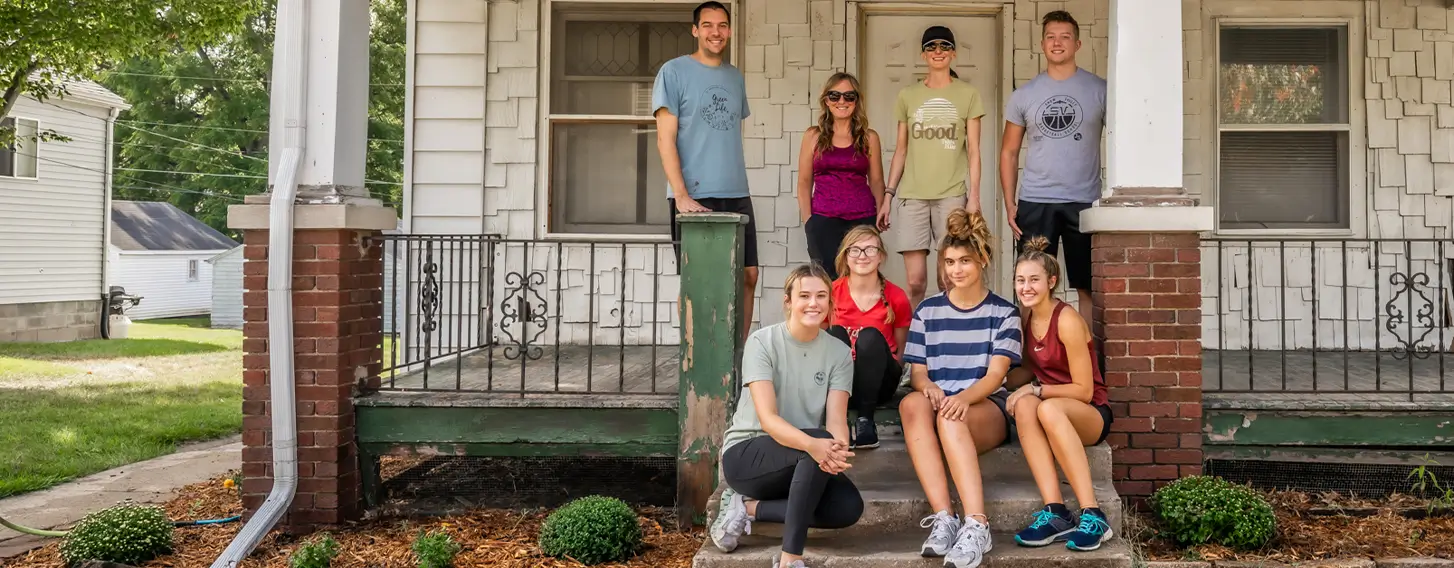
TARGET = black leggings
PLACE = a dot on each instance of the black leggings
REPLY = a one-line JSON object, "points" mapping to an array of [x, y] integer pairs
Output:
{"points": [[825, 235], [790, 488], [875, 371]]}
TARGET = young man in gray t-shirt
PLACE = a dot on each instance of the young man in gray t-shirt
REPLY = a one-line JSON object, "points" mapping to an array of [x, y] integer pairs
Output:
{"points": [[1063, 109]]}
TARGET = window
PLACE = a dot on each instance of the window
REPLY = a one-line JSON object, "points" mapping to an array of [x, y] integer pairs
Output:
{"points": [[1283, 127], [605, 173], [19, 158], [192, 271]]}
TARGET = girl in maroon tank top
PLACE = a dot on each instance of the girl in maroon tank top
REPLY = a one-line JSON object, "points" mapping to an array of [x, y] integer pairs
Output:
{"points": [[1064, 408]]}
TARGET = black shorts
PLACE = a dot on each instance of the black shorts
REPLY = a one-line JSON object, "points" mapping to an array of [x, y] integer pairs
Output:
{"points": [[741, 205], [1000, 398], [1057, 221], [1106, 420]]}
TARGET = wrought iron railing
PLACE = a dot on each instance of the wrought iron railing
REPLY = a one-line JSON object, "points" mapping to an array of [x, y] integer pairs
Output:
{"points": [[481, 313], [1334, 317]]}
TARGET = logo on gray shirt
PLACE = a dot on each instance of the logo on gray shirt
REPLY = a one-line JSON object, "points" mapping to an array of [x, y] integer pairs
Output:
{"points": [[1060, 116]]}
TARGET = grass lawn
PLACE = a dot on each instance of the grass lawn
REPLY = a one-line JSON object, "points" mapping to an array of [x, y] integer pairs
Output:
{"points": [[72, 409]]}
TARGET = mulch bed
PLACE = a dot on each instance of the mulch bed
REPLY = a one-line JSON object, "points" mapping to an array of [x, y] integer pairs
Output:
{"points": [[490, 537], [1310, 527]]}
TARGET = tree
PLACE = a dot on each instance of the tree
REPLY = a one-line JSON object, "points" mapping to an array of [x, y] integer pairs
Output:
{"points": [[43, 42], [196, 134]]}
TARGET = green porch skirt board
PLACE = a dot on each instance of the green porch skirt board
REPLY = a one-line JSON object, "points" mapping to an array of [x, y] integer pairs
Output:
{"points": [[1344, 428], [510, 432]]}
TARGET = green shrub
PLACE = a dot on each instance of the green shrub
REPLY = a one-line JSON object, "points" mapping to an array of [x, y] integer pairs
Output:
{"points": [[435, 550], [128, 534], [318, 553], [1201, 509], [592, 530]]}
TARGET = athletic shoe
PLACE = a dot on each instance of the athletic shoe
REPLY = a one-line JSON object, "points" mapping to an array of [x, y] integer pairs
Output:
{"points": [[1048, 527], [865, 434], [776, 563], [1093, 531], [732, 521], [942, 529], [970, 545]]}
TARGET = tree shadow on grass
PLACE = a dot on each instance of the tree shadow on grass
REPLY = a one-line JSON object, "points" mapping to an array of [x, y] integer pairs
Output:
{"points": [[108, 349]]}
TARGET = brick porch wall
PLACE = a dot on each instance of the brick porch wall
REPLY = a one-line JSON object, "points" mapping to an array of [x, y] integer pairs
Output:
{"points": [[337, 319], [1147, 291]]}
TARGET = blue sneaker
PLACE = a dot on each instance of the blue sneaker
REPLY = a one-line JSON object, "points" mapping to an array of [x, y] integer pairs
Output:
{"points": [[1093, 531], [1048, 527]]}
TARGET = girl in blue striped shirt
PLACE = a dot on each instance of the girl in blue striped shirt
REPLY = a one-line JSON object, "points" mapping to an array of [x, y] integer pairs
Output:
{"points": [[962, 343]]}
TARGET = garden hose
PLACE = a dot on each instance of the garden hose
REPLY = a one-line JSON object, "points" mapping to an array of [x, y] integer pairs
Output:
{"points": [[41, 532], [28, 530]]}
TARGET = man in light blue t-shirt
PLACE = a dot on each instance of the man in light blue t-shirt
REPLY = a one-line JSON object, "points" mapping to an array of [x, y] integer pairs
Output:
{"points": [[700, 101], [1062, 110]]}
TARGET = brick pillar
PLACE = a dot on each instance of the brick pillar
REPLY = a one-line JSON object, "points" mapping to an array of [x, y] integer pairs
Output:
{"points": [[1147, 295], [337, 326]]}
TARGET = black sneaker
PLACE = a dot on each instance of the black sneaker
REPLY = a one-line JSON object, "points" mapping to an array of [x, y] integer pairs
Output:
{"points": [[865, 435]]}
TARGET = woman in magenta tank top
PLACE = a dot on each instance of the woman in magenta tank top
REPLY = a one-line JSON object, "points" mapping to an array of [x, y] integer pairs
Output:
{"points": [[1064, 408], [840, 175]]}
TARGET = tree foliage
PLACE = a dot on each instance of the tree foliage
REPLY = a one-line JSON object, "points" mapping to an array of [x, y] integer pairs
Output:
{"points": [[42, 42], [196, 134]]}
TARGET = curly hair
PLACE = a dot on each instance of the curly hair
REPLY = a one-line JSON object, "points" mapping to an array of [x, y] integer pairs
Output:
{"points": [[969, 231]]}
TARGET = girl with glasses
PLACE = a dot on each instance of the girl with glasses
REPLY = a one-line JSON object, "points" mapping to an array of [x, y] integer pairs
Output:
{"points": [[872, 316], [843, 186]]}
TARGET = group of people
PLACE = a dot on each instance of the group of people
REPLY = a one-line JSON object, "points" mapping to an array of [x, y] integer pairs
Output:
{"points": [[977, 377]]}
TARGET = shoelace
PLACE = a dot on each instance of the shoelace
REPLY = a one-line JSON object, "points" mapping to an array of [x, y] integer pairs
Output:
{"points": [[968, 541], [943, 526], [1042, 518], [1093, 524]]}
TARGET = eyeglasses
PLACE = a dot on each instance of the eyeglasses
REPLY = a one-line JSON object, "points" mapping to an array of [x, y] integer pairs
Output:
{"points": [[850, 96], [868, 251], [938, 45]]}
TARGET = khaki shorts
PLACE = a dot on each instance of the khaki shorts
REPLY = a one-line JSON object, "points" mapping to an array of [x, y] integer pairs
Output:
{"points": [[919, 224]]}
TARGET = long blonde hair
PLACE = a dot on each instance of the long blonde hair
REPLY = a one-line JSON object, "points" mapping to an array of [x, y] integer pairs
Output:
{"points": [[857, 124], [840, 263], [970, 231]]}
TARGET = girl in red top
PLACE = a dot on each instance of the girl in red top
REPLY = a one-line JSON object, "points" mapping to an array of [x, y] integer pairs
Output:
{"points": [[1063, 410], [872, 316]]}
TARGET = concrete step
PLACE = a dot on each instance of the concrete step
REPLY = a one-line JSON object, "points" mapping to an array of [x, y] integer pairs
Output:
{"points": [[890, 461], [899, 506], [901, 550]]}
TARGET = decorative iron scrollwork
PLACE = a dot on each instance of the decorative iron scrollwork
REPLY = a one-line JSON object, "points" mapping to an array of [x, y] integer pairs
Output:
{"points": [[524, 305], [429, 293], [1410, 288]]}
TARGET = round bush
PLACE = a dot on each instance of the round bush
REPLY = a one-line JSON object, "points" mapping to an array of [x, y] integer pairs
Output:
{"points": [[1202, 509], [127, 534], [592, 530]]}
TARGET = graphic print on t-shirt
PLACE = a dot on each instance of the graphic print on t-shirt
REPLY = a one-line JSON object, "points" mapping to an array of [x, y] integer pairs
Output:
{"points": [[936, 120], [1059, 116], [716, 111]]}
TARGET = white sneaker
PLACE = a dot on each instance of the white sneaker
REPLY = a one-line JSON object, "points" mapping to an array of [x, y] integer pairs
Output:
{"points": [[942, 530], [970, 545], [732, 521]]}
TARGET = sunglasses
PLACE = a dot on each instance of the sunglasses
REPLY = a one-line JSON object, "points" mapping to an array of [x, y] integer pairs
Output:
{"points": [[850, 96], [938, 45]]}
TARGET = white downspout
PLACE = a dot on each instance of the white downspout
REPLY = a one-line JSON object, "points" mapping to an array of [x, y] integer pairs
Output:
{"points": [[291, 41], [108, 187]]}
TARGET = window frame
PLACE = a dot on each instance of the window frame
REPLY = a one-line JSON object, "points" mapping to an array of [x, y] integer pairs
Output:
{"points": [[1274, 14], [194, 270], [545, 164], [36, 158]]}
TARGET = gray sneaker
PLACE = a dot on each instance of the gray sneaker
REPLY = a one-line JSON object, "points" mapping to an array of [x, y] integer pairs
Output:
{"points": [[970, 545], [776, 560], [732, 521], [942, 529]]}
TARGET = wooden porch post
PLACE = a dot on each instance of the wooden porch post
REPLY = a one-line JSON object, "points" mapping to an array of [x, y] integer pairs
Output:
{"points": [[710, 265], [1146, 255]]}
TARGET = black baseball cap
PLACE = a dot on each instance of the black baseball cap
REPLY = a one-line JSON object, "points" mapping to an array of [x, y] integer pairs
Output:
{"points": [[937, 33]]}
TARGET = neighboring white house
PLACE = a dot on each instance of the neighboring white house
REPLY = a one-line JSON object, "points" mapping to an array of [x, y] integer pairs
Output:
{"points": [[227, 289], [53, 202], [160, 253]]}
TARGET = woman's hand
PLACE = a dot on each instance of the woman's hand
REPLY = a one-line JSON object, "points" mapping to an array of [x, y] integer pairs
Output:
{"points": [[832, 456], [1014, 400], [935, 396], [953, 407], [883, 213]]}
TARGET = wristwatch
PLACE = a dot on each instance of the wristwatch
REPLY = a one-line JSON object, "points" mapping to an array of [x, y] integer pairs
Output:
{"points": [[1036, 390]]}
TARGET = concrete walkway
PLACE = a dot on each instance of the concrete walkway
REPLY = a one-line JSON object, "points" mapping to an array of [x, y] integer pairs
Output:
{"points": [[151, 481]]}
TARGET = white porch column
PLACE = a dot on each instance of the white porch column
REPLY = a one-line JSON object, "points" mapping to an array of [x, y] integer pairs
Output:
{"points": [[1144, 111], [335, 97]]}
